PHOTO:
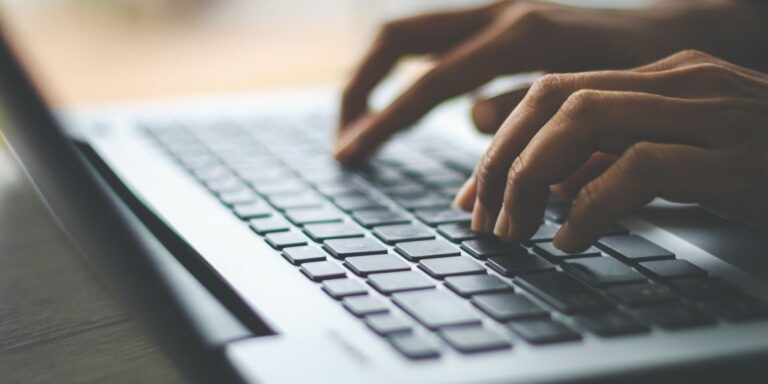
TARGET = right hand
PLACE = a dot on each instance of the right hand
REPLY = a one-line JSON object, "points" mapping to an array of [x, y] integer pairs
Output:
{"points": [[473, 46]]}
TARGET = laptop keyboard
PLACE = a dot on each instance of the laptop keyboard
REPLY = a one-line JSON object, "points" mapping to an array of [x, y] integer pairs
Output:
{"points": [[384, 241]]}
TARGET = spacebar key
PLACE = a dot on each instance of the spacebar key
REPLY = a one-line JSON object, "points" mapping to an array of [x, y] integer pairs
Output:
{"points": [[435, 309], [563, 292]]}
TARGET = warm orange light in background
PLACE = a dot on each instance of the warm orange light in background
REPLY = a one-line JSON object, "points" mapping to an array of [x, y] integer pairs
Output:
{"points": [[86, 51]]}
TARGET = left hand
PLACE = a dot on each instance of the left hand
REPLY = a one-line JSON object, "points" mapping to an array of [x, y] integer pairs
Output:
{"points": [[689, 128]]}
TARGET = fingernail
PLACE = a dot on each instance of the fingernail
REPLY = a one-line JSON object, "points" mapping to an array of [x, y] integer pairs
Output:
{"points": [[478, 217], [503, 225], [344, 149], [464, 196]]}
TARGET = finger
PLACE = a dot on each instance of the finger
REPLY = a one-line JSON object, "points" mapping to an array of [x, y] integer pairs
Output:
{"points": [[591, 121], [549, 93], [596, 165], [421, 34], [465, 198], [488, 114], [643, 172], [463, 69]]}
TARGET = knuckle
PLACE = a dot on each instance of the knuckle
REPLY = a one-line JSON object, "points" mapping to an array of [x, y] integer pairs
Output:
{"points": [[639, 160], [517, 177], [484, 176], [582, 103], [693, 55], [389, 32], [545, 90]]}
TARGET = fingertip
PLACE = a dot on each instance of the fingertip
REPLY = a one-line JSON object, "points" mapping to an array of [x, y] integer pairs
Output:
{"points": [[570, 241], [465, 198], [485, 117]]}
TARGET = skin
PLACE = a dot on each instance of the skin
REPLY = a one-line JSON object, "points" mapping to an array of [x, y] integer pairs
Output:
{"points": [[688, 127]]}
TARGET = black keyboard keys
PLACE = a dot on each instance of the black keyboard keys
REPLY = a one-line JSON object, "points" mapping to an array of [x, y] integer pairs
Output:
{"points": [[563, 292], [324, 214], [506, 306], [269, 225], [603, 271], [356, 203], [386, 324], [458, 232], [417, 250], [392, 234], [388, 283], [671, 269], [340, 288], [436, 309], [474, 339], [442, 267], [364, 305], [304, 200], [542, 331], [633, 248], [701, 288], [546, 232], [549, 251], [322, 270], [305, 254], [491, 246], [737, 309], [635, 295], [342, 248], [252, 210], [513, 265], [280, 240], [611, 323], [475, 284], [322, 232], [373, 218], [365, 265], [414, 346], [674, 316], [435, 217]]}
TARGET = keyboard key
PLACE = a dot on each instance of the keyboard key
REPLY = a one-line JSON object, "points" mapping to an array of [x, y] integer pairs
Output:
{"points": [[392, 234], [285, 187], [280, 240], [557, 210], [417, 250], [240, 196], [474, 284], [322, 232], [513, 265], [435, 217], [563, 292], [387, 324], [671, 269], [674, 316], [378, 217], [388, 283], [414, 346], [340, 288], [635, 295], [404, 189], [546, 232], [435, 309], [269, 225], [253, 210], [299, 255], [364, 305], [343, 248], [356, 203], [737, 309], [492, 246], [365, 265], [703, 288], [322, 270], [603, 271], [612, 323], [442, 267], [474, 339], [633, 248], [304, 200], [458, 232], [313, 215], [505, 306], [542, 331], [549, 251], [428, 200], [339, 189]]}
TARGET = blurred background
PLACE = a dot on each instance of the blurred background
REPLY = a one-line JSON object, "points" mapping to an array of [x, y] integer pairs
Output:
{"points": [[94, 51]]}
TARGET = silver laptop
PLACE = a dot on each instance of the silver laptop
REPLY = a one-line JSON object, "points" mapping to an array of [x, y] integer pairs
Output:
{"points": [[228, 229]]}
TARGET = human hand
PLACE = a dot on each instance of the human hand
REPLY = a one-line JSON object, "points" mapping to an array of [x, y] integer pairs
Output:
{"points": [[689, 128], [470, 47]]}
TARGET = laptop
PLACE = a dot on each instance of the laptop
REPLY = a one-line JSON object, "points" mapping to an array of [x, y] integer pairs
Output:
{"points": [[251, 256]]}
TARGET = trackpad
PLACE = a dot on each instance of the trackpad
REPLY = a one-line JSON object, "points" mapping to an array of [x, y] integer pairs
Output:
{"points": [[733, 242]]}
